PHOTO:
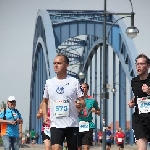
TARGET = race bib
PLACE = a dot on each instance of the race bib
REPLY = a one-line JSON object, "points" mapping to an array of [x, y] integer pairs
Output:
{"points": [[107, 137], [119, 140], [83, 126], [61, 108], [47, 131], [143, 105]]}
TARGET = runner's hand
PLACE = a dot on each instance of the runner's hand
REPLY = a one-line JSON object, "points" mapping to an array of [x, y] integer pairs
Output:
{"points": [[131, 103], [46, 121], [78, 105], [40, 111], [145, 88], [93, 110]]}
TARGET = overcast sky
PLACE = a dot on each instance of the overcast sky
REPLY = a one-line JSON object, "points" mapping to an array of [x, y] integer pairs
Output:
{"points": [[17, 24]]}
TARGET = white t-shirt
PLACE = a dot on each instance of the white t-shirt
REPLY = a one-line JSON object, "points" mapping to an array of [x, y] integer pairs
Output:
{"points": [[64, 89]]}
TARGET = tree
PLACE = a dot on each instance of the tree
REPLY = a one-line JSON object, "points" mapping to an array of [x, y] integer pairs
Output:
{"points": [[3, 105]]}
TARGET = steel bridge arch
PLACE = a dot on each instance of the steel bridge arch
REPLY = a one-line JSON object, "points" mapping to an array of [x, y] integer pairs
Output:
{"points": [[54, 27]]}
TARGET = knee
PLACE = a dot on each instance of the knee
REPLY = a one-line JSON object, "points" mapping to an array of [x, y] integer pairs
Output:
{"points": [[47, 148]]}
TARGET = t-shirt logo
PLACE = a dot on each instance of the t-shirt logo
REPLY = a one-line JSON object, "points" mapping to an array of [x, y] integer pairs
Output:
{"points": [[14, 114], [60, 90], [81, 89]]}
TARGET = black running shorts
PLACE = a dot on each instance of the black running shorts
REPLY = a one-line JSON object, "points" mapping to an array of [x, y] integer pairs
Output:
{"points": [[85, 138], [141, 125], [44, 137], [121, 145], [71, 133]]}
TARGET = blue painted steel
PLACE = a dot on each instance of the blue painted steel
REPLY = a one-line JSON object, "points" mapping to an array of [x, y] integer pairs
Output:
{"points": [[101, 106], [91, 77], [37, 89], [96, 92], [86, 76], [114, 94], [131, 138], [106, 119], [55, 27], [122, 98]]}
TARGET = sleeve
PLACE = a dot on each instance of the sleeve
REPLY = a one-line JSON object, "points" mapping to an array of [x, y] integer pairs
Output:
{"points": [[124, 136], [79, 89], [132, 85], [95, 105], [45, 93], [1, 114], [20, 117]]}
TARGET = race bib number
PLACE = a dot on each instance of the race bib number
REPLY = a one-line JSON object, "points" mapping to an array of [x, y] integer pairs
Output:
{"points": [[61, 108], [119, 140], [143, 105], [47, 131], [107, 137], [83, 126]]}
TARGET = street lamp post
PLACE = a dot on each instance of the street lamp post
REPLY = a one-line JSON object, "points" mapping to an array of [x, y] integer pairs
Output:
{"points": [[114, 90], [27, 127], [131, 32]]}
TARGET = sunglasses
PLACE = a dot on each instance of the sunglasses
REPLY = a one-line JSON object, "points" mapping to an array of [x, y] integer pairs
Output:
{"points": [[12, 101]]}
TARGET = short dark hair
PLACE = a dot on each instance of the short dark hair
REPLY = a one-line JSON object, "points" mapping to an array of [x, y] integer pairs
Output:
{"points": [[86, 85], [143, 56], [65, 58]]}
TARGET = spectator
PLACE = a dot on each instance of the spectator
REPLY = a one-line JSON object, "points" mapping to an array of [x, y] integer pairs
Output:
{"points": [[100, 136], [10, 118], [120, 136], [127, 137], [28, 138], [36, 137], [32, 136], [108, 138]]}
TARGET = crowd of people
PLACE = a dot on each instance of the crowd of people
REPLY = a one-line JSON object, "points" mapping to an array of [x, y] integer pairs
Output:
{"points": [[31, 137], [118, 138], [67, 110]]}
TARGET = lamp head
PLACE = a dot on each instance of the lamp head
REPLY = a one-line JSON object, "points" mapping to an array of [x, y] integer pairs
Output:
{"points": [[132, 32], [113, 90], [81, 75]]}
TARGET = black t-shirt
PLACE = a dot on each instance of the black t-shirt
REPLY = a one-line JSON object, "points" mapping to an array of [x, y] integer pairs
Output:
{"points": [[136, 85]]}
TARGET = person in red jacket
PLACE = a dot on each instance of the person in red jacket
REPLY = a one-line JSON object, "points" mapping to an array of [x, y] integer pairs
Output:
{"points": [[120, 139], [100, 136]]}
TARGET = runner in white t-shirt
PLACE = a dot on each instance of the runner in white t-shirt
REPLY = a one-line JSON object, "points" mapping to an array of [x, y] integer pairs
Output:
{"points": [[62, 91]]}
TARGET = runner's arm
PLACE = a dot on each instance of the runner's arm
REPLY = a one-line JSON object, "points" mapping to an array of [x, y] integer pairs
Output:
{"points": [[40, 112], [39, 115], [97, 109], [45, 108], [82, 102], [45, 102]]}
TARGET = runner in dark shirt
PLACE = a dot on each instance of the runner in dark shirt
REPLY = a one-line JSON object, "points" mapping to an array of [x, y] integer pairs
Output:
{"points": [[140, 87]]}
